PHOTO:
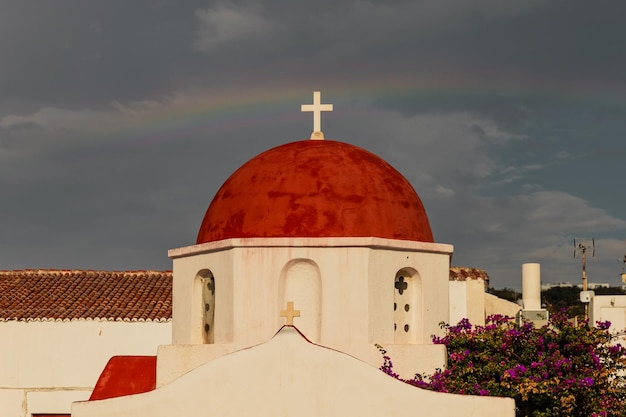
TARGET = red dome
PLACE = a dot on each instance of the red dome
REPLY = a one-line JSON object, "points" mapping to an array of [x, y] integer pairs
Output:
{"points": [[316, 188]]}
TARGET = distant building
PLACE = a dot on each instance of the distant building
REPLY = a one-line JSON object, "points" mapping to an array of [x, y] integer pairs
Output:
{"points": [[545, 287], [590, 285]]}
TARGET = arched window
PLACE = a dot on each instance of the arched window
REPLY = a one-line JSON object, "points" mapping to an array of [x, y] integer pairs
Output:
{"points": [[407, 307], [300, 283]]}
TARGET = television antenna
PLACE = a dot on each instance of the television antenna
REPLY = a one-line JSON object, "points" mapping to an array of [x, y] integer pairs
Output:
{"points": [[582, 249], [624, 265]]}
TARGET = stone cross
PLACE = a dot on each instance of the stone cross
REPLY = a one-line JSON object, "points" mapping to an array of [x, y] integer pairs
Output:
{"points": [[290, 313], [317, 108]]}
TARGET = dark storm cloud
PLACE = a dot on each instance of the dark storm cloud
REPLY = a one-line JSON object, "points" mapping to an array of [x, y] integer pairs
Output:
{"points": [[519, 46], [88, 53], [94, 53], [485, 106], [74, 199]]}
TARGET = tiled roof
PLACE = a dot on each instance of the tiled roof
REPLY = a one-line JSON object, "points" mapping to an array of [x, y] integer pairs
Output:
{"points": [[462, 273], [62, 295]]}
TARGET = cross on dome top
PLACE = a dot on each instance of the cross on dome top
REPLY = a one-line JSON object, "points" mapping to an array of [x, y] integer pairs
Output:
{"points": [[317, 108]]}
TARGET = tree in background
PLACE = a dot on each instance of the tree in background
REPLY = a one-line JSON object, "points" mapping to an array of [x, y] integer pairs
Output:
{"points": [[557, 299], [563, 298], [568, 298], [561, 369], [508, 294]]}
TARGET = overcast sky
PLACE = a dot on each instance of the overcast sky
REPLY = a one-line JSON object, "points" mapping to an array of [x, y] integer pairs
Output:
{"points": [[119, 120]]}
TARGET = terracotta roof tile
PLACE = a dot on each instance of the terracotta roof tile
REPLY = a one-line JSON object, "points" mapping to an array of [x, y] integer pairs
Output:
{"points": [[28, 295], [462, 273]]}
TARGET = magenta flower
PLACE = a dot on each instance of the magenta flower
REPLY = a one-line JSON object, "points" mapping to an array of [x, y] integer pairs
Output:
{"points": [[575, 370]]}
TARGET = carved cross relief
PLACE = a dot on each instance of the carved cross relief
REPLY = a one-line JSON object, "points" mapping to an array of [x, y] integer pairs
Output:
{"points": [[290, 313]]}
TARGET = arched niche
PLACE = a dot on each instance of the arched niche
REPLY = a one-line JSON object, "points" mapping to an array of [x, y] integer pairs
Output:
{"points": [[407, 307], [205, 289], [301, 283]]}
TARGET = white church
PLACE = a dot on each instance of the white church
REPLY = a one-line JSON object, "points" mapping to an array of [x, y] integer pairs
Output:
{"points": [[309, 255]]}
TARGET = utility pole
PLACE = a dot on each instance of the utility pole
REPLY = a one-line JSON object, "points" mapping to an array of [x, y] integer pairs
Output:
{"points": [[581, 250], [623, 275]]}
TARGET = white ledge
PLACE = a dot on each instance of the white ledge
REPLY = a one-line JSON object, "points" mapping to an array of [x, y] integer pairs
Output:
{"points": [[318, 242]]}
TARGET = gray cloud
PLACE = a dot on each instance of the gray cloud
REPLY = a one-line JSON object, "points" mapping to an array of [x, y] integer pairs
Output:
{"points": [[450, 160], [225, 23], [119, 121]]}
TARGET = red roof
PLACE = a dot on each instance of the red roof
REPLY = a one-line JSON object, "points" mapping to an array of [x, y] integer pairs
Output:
{"points": [[125, 375], [316, 188], [67, 295]]}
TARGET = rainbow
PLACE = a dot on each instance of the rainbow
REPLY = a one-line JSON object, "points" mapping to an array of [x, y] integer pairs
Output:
{"points": [[221, 110]]}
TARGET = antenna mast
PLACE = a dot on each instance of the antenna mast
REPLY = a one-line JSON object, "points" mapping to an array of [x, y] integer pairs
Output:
{"points": [[582, 248], [623, 265]]}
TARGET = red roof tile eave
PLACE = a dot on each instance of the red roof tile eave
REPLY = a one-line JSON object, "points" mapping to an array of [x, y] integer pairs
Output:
{"points": [[82, 319]]}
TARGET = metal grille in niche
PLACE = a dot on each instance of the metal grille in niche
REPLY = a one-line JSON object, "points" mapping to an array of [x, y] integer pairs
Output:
{"points": [[401, 305]]}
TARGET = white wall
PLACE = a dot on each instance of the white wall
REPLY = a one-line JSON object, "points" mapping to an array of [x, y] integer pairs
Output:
{"points": [[355, 274], [496, 305], [353, 279], [45, 365], [287, 377], [609, 308], [467, 300]]}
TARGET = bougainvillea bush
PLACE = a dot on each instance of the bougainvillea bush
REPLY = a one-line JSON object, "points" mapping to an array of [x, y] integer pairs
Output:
{"points": [[562, 369]]}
